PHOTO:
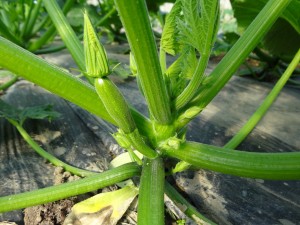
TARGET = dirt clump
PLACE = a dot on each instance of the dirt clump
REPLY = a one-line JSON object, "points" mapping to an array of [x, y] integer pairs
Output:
{"points": [[53, 213], [49, 214]]}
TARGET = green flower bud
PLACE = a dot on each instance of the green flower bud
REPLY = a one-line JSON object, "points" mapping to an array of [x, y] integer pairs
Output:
{"points": [[95, 56]]}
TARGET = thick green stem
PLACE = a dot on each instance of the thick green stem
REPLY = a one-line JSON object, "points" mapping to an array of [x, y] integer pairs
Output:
{"points": [[55, 161], [135, 19], [260, 112], [238, 53], [54, 193], [59, 82], [151, 194], [189, 209], [274, 166], [52, 78]]}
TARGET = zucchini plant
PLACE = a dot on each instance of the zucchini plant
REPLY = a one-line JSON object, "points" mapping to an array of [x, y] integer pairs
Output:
{"points": [[26, 23], [174, 95]]}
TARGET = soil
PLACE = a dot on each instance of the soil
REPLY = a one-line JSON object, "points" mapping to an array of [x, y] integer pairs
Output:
{"points": [[53, 213], [49, 214]]}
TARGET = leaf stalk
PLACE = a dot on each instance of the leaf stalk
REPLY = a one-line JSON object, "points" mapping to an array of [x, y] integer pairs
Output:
{"points": [[135, 19]]}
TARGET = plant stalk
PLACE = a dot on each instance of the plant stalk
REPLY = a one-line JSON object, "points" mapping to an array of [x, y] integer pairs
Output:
{"points": [[189, 209], [151, 193], [9, 83], [32, 17], [58, 192], [51, 31], [135, 19], [273, 166], [66, 32], [55, 161], [47, 50], [59, 82], [190, 91], [27, 17], [48, 76]]}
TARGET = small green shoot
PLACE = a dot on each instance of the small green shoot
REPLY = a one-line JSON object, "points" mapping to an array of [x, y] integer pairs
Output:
{"points": [[174, 96]]}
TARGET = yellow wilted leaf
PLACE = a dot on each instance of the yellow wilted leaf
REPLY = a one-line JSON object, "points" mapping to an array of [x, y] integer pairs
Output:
{"points": [[104, 208]]}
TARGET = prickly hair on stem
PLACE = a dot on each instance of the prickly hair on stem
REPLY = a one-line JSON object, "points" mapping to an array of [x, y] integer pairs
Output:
{"points": [[95, 56]]}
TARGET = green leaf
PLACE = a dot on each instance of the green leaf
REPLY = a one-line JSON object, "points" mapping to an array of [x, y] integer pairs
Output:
{"points": [[238, 53], [292, 15], [8, 112], [246, 10], [182, 70], [5, 30], [283, 40], [198, 29], [75, 17], [184, 65], [20, 115], [199, 26], [38, 112], [169, 40], [190, 63]]}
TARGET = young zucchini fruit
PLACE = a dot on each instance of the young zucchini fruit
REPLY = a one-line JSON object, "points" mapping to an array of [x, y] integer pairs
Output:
{"points": [[117, 107], [115, 104], [112, 99]]}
